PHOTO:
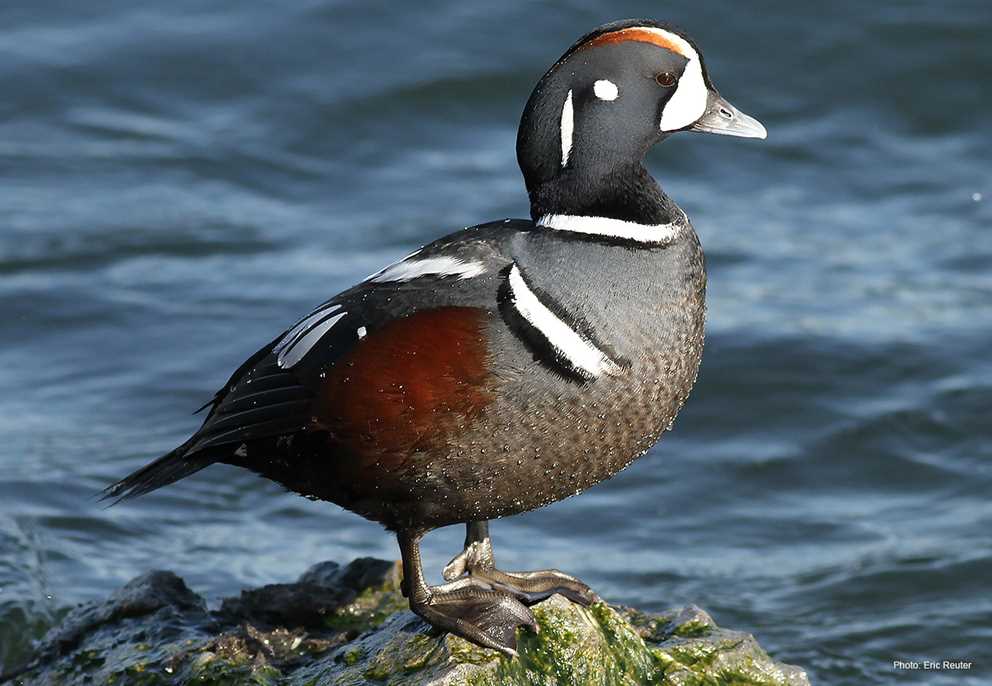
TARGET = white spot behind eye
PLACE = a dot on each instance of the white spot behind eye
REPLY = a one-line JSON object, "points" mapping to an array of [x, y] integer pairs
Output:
{"points": [[605, 90], [567, 126]]}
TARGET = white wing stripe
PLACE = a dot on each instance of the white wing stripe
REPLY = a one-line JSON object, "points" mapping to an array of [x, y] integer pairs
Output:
{"points": [[304, 324], [295, 352]]}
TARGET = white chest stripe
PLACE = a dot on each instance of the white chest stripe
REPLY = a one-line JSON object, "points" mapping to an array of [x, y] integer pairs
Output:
{"points": [[580, 353], [567, 128], [297, 343], [612, 228], [441, 266]]}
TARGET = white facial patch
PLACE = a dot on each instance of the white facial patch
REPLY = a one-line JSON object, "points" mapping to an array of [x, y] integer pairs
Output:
{"points": [[298, 341], [582, 355], [408, 269], [654, 234], [688, 102], [605, 90], [567, 128]]}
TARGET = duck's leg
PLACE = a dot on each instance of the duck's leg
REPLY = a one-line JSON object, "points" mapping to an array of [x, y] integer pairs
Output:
{"points": [[477, 553], [471, 608], [477, 561]]}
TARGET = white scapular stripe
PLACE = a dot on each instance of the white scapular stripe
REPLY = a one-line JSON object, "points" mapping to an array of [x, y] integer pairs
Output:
{"points": [[580, 353], [294, 351], [688, 102], [301, 326], [605, 90], [567, 128], [408, 269], [612, 228], [404, 259]]}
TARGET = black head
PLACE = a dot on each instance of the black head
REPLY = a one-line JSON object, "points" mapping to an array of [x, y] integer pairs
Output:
{"points": [[593, 116]]}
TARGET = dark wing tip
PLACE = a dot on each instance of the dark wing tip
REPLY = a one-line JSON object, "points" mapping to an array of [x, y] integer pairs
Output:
{"points": [[167, 469]]}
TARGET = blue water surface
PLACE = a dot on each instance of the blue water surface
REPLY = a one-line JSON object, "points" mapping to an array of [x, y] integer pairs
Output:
{"points": [[180, 181]]}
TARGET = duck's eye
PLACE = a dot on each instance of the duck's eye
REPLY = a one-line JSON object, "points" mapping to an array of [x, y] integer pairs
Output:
{"points": [[665, 78]]}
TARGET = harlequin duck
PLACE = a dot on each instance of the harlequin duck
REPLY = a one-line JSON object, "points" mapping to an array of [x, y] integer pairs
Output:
{"points": [[505, 366]]}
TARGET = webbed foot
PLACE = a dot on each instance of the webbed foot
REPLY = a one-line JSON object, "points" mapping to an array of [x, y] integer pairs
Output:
{"points": [[477, 561], [472, 608], [475, 611]]}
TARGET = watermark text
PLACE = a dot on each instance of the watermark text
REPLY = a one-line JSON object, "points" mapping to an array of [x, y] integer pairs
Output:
{"points": [[931, 665]]}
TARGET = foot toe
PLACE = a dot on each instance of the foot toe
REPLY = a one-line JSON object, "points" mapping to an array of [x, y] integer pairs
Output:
{"points": [[479, 613], [476, 555], [497, 617], [533, 587], [455, 568]]}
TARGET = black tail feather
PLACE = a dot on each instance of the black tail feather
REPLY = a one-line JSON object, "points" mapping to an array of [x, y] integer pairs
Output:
{"points": [[167, 469]]}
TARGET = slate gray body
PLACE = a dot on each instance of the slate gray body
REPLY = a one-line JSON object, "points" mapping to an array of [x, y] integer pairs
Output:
{"points": [[545, 436]]}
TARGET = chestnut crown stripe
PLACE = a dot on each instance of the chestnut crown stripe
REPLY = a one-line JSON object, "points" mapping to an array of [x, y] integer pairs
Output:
{"points": [[645, 34]]}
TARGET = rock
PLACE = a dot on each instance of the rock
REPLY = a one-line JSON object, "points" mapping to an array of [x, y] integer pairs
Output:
{"points": [[349, 626], [301, 604], [361, 573]]}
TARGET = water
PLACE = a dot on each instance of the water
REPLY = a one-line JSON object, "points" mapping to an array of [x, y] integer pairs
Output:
{"points": [[180, 181]]}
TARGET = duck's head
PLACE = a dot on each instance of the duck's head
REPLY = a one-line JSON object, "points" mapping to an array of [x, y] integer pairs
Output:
{"points": [[616, 92]]}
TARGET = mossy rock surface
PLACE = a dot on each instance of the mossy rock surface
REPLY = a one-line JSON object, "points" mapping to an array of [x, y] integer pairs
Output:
{"points": [[349, 625]]}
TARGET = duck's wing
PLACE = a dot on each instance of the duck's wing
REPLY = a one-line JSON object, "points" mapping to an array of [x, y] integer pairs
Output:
{"points": [[378, 333], [375, 366]]}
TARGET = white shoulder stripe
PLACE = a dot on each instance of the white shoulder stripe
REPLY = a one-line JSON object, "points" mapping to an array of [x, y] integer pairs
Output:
{"points": [[408, 269], [613, 228], [292, 353], [580, 353]]}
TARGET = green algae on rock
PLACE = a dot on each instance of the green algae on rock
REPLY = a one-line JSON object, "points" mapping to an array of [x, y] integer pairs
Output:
{"points": [[349, 626]]}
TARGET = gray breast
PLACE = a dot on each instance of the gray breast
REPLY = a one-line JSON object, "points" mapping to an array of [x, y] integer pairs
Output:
{"points": [[558, 426]]}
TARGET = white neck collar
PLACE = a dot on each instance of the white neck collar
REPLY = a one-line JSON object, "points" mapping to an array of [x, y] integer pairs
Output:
{"points": [[613, 228]]}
